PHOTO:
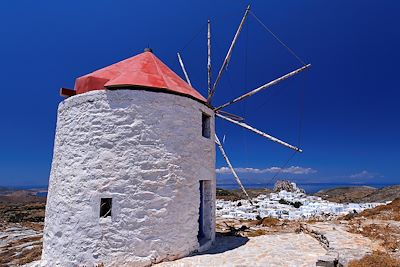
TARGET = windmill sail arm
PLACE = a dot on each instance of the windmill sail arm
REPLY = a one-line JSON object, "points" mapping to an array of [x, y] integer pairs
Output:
{"points": [[230, 115], [228, 55], [265, 86], [244, 125], [209, 56], [183, 69], [221, 149]]}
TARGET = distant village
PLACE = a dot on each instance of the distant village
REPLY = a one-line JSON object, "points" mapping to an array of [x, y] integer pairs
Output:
{"points": [[290, 204]]}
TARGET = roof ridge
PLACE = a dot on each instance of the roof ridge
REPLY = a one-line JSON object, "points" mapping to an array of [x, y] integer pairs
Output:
{"points": [[153, 57]]}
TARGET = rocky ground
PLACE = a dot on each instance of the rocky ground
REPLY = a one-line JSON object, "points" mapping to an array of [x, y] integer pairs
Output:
{"points": [[287, 249], [21, 227], [381, 224], [20, 244], [272, 242], [372, 236], [368, 239]]}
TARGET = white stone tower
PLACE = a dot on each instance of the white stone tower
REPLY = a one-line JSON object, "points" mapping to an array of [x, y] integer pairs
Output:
{"points": [[133, 172]]}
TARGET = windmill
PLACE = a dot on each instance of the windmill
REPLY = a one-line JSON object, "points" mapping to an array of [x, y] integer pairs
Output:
{"points": [[134, 143], [219, 112]]}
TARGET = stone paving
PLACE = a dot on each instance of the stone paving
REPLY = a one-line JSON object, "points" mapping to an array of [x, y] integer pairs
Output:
{"points": [[349, 246], [289, 250]]}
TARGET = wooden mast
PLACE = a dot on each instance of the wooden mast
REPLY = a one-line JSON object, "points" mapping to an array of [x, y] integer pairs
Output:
{"points": [[231, 168], [244, 125], [209, 56], [228, 55], [230, 115], [183, 69]]}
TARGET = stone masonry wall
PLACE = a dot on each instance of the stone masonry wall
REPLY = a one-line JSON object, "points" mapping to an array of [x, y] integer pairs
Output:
{"points": [[146, 151]]}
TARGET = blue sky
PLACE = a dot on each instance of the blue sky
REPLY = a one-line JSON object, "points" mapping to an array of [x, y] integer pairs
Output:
{"points": [[347, 103]]}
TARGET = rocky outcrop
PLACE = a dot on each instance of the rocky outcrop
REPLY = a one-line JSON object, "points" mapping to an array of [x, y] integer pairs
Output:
{"points": [[286, 185]]}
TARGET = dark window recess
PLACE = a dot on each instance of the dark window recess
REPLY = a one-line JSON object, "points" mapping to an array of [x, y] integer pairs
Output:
{"points": [[105, 207], [205, 126]]}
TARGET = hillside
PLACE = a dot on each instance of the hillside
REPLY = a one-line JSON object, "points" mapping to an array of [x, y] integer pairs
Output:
{"points": [[360, 194], [237, 194], [22, 206], [390, 211], [346, 194], [384, 194]]}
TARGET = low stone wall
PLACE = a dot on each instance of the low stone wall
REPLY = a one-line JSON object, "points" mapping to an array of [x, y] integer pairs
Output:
{"points": [[342, 246]]}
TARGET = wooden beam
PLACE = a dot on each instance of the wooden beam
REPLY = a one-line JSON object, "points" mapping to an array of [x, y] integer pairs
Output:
{"points": [[231, 168], [244, 125], [265, 86], [65, 92], [230, 115], [228, 55], [209, 56], [184, 70]]}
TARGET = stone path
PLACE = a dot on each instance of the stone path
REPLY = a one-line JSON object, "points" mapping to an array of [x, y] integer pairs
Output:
{"points": [[349, 246], [289, 250]]}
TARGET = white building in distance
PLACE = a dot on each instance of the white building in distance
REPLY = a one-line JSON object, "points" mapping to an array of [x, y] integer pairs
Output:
{"points": [[294, 205]]}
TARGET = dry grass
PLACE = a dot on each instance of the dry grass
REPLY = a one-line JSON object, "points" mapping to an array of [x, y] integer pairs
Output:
{"points": [[388, 235], [257, 232], [390, 211], [376, 259], [268, 221]]}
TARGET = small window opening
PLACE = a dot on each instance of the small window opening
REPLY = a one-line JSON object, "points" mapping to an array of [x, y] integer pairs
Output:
{"points": [[206, 128], [105, 207]]}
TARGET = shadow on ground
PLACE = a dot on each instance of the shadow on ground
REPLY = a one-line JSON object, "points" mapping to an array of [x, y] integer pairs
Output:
{"points": [[225, 243]]}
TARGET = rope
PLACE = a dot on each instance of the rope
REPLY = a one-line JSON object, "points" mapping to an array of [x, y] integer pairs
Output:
{"points": [[221, 17], [283, 166], [243, 105], [302, 92], [194, 36], [231, 88], [301, 111], [299, 134], [278, 39]]}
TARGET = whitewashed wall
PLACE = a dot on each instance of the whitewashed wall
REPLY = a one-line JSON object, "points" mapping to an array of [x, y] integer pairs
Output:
{"points": [[146, 151]]}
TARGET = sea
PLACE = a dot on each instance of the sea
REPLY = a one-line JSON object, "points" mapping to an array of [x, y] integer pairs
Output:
{"points": [[310, 188], [41, 194]]}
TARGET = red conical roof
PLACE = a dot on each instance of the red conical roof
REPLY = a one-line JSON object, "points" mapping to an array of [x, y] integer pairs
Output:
{"points": [[143, 70]]}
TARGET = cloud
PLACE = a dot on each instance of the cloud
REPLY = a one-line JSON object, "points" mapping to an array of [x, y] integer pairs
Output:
{"points": [[363, 175], [291, 170]]}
